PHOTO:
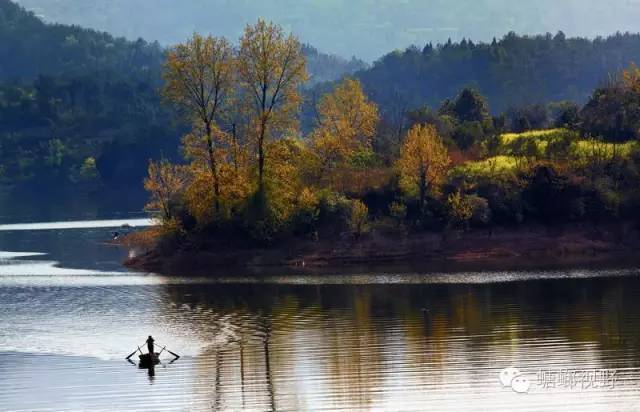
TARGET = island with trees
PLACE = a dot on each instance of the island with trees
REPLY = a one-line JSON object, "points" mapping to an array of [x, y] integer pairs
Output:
{"points": [[267, 182]]}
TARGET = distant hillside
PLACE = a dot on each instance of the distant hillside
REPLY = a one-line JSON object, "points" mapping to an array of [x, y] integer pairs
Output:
{"points": [[29, 47], [78, 108], [81, 107], [365, 28], [324, 67], [515, 70]]}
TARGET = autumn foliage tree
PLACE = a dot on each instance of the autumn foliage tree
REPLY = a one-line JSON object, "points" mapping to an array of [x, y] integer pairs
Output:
{"points": [[198, 79], [238, 101], [423, 161], [347, 122], [271, 68], [631, 78], [165, 182]]}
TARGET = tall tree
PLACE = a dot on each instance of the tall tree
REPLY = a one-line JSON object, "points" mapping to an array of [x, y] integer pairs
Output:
{"points": [[423, 161], [347, 122], [271, 67], [198, 78]]}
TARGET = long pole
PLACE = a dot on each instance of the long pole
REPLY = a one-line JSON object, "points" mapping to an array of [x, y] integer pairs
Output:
{"points": [[174, 354], [133, 353]]}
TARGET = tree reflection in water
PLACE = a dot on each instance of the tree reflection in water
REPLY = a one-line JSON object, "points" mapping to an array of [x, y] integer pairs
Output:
{"points": [[404, 346]]}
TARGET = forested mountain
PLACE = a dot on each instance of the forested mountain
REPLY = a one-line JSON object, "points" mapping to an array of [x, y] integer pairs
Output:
{"points": [[29, 48], [77, 106], [513, 71]]}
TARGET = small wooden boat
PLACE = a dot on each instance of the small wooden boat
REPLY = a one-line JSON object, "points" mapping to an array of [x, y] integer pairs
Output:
{"points": [[145, 359]]}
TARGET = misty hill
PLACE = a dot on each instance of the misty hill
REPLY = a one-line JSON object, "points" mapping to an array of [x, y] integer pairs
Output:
{"points": [[513, 71], [31, 47], [365, 28], [77, 106], [324, 67]]}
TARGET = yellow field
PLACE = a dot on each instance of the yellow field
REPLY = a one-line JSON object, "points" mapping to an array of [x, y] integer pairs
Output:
{"points": [[508, 138], [519, 149]]}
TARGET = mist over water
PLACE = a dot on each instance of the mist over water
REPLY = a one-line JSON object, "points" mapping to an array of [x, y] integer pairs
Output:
{"points": [[69, 314]]}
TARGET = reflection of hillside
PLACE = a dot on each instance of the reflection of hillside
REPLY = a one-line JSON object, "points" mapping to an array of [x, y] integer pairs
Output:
{"points": [[359, 347]]}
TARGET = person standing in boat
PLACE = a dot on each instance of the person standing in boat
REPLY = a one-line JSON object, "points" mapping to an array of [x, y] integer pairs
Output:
{"points": [[152, 354]]}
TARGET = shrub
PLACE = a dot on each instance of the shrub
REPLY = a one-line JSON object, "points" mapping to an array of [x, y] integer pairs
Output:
{"points": [[468, 134], [359, 218], [307, 213], [334, 211], [504, 195], [262, 221], [88, 170], [460, 209], [398, 211], [480, 210], [605, 200]]}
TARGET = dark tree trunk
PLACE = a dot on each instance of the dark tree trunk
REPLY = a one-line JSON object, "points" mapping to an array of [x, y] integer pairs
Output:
{"points": [[423, 191], [214, 170], [261, 158]]}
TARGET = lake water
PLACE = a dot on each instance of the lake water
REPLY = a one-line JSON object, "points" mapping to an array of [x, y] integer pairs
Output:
{"points": [[69, 314]]}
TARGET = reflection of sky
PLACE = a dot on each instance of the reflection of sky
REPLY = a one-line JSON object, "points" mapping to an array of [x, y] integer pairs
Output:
{"points": [[113, 223], [79, 245], [13, 255]]}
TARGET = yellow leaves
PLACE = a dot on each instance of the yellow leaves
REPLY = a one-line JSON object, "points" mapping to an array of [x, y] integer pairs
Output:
{"points": [[358, 218], [232, 176], [460, 208], [423, 161], [631, 78], [255, 89], [347, 124], [198, 76], [164, 182], [347, 121], [348, 116], [243, 106], [307, 200], [195, 146], [283, 175], [199, 195], [271, 67]]}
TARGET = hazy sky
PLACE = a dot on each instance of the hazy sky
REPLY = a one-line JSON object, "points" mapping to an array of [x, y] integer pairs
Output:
{"points": [[365, 28]]}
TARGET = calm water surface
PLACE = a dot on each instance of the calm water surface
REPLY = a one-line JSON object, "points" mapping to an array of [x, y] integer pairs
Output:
{"points": [[69, 314]]}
